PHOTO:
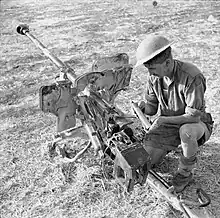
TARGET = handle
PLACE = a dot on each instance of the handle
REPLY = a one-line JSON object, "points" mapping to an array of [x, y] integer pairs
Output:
{"points": [[201, 196], [145, 122]]}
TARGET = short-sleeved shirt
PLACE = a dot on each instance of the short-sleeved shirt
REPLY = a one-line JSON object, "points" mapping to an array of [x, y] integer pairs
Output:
{"points": [[184, 95]]}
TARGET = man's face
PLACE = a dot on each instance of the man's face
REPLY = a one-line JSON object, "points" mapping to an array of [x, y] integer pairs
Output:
{"points": [[157, 69]]}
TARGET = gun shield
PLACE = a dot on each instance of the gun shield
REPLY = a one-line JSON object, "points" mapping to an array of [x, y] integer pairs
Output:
{"points": [[58, 100], [109, 62], [107, 83]]}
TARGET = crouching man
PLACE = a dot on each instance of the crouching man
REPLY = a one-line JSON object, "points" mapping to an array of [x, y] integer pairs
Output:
{"points": [[175, 92]]}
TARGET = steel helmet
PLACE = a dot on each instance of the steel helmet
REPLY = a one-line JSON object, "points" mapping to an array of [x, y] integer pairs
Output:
{"points": [[151, 46]]}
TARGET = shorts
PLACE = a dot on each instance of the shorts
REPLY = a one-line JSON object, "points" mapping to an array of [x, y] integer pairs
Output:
{"points": [[166, 138]]}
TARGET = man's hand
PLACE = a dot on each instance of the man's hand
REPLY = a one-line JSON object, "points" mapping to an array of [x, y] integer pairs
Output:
{"points": [[141, 105], [158, 122]]}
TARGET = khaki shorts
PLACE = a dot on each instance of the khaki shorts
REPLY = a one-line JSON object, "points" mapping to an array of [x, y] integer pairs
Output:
{"points": [[166, 138]]}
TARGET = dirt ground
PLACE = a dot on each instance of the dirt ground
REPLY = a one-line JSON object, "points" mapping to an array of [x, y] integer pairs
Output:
{"points": [[79, 32]]}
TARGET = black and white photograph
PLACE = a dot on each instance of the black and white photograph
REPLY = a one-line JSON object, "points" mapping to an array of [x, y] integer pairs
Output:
{"points": [[109, 109]]}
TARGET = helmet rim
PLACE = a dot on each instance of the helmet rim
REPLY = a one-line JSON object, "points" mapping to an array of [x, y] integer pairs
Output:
{"points": [[149, 57]]}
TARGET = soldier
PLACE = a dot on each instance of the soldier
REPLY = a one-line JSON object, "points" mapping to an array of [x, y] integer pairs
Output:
{"points": [[175, 93]]}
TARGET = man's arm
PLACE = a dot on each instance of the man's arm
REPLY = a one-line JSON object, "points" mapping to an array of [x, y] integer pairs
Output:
{"points": [[185, 118], [150, 105], [195, 103]]}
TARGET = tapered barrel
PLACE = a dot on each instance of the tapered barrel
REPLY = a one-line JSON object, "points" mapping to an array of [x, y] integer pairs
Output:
{"points": [[23, 29]]}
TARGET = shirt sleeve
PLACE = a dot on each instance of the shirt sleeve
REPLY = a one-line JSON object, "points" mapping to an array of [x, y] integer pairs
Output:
{"points": [[194, 96], [151, 98]]}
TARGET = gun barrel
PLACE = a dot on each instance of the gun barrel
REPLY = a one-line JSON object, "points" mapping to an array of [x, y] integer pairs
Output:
{"points": [[24, 30]]}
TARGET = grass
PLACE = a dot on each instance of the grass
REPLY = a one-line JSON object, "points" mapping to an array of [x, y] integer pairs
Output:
{"points": [[31, 185]]}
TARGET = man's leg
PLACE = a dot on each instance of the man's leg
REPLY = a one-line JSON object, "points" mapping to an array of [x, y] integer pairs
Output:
{"points": [[189, 136], [156, 154], [160, 141]]}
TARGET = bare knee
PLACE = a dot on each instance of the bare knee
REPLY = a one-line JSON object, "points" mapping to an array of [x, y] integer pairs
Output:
{"points": [[191, 132], [186, 133]]}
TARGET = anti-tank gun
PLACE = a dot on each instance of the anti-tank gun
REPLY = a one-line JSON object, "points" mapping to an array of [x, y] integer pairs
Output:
{"points": [[89, 98]]}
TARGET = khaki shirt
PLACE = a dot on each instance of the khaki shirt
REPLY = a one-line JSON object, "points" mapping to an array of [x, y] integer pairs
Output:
{"points": [[184, 94]]}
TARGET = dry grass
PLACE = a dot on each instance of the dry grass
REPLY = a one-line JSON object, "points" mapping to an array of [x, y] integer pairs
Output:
{"points": [[33, 186]]}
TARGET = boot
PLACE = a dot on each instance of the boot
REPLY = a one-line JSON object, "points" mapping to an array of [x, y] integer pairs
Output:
{"points": [[184, 173]]}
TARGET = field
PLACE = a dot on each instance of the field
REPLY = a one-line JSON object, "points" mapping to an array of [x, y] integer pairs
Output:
{"points": [[31, 185]]}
